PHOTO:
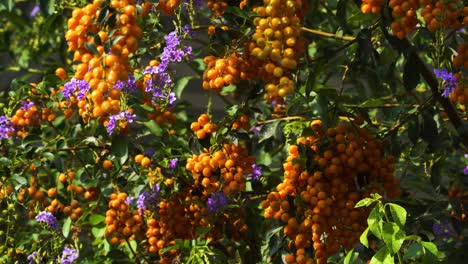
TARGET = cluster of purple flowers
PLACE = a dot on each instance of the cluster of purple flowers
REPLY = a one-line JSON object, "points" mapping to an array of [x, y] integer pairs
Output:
{"points": [[74, 85], [443, 230], [49, 219], [450, 82], [173, 163], [68, 255], [256, 174], [160, 83], [216, 202], [129, 86], [6, 126], [122, 116], [25, 105], [34, 258], [149, 200]]}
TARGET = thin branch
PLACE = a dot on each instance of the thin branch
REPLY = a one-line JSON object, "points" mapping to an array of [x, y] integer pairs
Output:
{"points": [[455, 119], [327, 35], [288, 118]]}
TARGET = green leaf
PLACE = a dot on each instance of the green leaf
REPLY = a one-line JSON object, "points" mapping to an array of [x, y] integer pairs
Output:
{"points": [[48, 155], [364, 202], [363, 238], [181, 84], [19, 179], [411, 77], [414, 251], [413, 130], [269, 131], [66, 227], [96, 219], [4, 161], [393, 236], [431, 253], [167, 249], [119, 148], [382, 256], [375, 222], [351, 257], [429, 128], [91, 141], [91, 47], [398, 214], [201, 231], [98, 232], [10, 5], [154, 128]]}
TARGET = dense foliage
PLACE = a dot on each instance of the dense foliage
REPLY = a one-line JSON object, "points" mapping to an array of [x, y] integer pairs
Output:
{"points": [[331, 131]]}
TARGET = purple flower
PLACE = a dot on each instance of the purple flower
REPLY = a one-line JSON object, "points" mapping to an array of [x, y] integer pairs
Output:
{"points": [[465, 170], [33, 258], [68, 255], [122, 116], [49, 219], [75, 85], [128, 86], [256, 130], [6, 127], [173, 163], [25, 105], [256, 174], [216, 202], [149, 151], [450, 82], [172, 98], [160, 82], [443, 230], [129, 200], [34, 11], [149, 200]]}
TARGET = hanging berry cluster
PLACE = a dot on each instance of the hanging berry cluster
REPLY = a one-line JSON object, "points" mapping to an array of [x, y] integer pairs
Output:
{"points": [[325, 175], [277, 45]]}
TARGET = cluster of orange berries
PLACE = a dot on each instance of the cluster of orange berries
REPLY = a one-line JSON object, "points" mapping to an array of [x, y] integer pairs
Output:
{"points": [[30, 115], [221, 72], [121, 222], [461, 60], [460, 94], [372, 6], [162, 117], [142, 160], [168, 6], [203, 127], [316, 202], [103, 69], [243, 122], [179, 217], [443, 14], [226, 168], [277, 45], [404, 15], [219, 6]]}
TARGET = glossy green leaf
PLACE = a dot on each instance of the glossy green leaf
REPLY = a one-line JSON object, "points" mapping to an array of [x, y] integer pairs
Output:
{"points": [[398, 214]]}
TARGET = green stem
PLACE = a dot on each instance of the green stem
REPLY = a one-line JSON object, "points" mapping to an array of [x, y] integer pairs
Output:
{"points": [[209, 104]]}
